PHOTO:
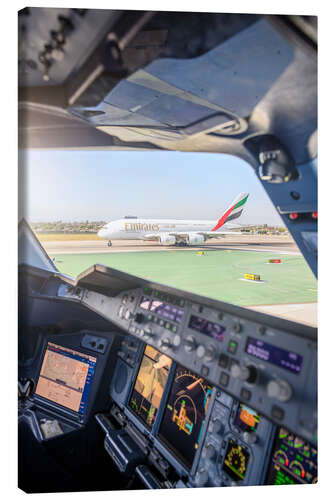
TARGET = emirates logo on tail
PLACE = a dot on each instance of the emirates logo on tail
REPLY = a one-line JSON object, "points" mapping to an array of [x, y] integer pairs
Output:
{"points": [[234, 211]]}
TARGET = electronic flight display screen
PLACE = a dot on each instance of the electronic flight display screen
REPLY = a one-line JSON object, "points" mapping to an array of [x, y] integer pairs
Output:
{"points": [[293, 460], [236, 461], [167, 311], [149, 385], [184, 415], [287, 360], [213, 330], [246, 419], [65, 377]]}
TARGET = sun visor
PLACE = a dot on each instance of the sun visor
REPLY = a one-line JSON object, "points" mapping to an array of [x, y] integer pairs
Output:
{"points": [[109, 282]]}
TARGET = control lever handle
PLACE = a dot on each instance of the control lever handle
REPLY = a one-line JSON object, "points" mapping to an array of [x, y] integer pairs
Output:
{"points": [[148, 478], [104, 422]]}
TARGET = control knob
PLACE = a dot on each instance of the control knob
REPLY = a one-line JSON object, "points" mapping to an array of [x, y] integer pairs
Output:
{"points": [[176, 340], [201, 477], [250, 437], [207, 352], [209, 452], [190, 343], [279, 389], [216, 426], [245, 373], [149, 333], [164, 343]]}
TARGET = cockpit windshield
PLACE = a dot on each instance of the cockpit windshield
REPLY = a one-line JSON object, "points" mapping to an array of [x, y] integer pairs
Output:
{"points": [[198, 222]]}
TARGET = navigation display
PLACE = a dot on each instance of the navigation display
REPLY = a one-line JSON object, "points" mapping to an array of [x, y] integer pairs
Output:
{"points": [[65, 377], [275, 355], [293, 460], [246, 419], [184, 415], [213, 330], [149, 385]]}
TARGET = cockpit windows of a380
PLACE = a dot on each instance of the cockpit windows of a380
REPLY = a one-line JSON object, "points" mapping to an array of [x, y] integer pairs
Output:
{"points": [[197, 222]]}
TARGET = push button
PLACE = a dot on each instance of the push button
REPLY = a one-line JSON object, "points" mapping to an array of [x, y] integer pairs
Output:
{"points": [[246, 394], [224, 379], [277, 412], [224, 361], [205, 371], [232, 348]]}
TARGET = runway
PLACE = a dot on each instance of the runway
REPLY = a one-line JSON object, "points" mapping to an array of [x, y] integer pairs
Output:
{"points": [[280, 244]]}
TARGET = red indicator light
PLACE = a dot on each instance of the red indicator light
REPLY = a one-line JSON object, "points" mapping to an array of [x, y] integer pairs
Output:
{"points": [[293, 216], [287, 462], [303, 473], [315, 215]]}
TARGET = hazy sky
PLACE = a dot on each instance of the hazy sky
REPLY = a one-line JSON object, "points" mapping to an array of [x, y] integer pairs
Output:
{"points": [[106, 185]]}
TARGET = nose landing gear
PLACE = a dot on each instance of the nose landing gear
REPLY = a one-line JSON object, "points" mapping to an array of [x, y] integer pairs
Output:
{"points": [[109, 243]]}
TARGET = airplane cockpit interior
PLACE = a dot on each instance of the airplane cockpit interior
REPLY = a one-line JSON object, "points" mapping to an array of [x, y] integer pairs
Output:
{"points": [[125, 383]]}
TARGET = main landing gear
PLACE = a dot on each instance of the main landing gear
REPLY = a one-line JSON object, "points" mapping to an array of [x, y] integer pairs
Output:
{"points": [[109, 243]]}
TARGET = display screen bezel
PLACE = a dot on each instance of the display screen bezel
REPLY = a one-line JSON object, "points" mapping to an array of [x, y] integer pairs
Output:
{"points": [[80, 415]]}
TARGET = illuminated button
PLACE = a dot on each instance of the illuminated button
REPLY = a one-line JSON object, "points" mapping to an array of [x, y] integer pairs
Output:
{"points": [[150, 317], [245, 394], [190, 343], [232, 347], [167, 325], [223, 361], [174, 329], [224, 379]]}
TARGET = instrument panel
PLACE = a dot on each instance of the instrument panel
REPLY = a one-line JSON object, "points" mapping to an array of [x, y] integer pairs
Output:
{"points": [[264, 362]]}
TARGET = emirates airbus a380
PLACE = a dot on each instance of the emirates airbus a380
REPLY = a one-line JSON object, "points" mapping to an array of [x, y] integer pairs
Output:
{"points": [[175, 231]]}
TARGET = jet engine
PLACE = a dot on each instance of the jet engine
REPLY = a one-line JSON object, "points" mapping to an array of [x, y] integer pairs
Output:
{"points": [[195, 239], [167, 239]]}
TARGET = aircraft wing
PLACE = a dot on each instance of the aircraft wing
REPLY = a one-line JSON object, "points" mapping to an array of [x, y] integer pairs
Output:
{"points": [[220, 234], [151, 237]]}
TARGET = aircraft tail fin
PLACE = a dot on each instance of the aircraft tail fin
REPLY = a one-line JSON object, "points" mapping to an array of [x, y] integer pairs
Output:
{"points": [[234, 211]]}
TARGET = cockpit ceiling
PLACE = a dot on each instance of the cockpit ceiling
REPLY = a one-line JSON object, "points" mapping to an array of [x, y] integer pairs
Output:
{"points": [[255, 82]]}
